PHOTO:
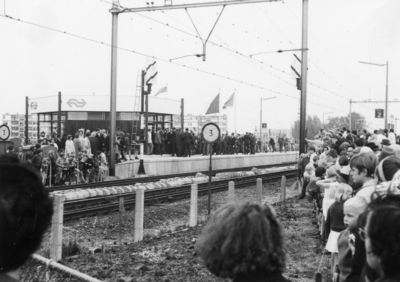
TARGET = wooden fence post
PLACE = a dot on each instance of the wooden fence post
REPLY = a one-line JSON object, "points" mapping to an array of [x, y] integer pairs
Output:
{"points": [[193, 205], [139, 213], [57, 228], [283, 188], [121, 214], [231, 192], [259, 191]]}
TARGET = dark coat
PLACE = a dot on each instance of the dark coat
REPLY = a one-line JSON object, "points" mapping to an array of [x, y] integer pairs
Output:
{"points": [[179, 139], [173, 137], [106, 143], [186, 138], [94, 145]]}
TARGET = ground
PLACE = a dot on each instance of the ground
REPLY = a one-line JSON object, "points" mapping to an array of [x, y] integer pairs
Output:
{"points": [[168, 251]]}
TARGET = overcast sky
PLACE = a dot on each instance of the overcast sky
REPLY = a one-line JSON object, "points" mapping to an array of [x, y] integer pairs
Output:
{"points": [[38, 61]]}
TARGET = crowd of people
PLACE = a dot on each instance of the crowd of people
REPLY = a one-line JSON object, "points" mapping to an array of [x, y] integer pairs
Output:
{"points": [[186, 143], [354, 180]]}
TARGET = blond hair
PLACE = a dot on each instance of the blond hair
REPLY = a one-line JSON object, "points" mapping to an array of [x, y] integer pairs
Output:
{"points": [[343, 192], [357, 203]]}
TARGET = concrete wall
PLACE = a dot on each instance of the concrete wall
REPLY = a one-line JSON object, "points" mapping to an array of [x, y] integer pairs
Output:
{"points": [[164, 166]]}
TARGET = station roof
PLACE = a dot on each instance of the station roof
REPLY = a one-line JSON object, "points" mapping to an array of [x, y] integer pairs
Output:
{"points": [[96, 103]]}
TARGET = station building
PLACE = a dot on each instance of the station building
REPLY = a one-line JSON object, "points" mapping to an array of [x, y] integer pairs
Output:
{"points": [[90, 112]]}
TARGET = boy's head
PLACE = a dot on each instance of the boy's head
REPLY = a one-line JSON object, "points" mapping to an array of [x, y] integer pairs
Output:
{"points": [[320, 172], [309, 168], [363, 167], [343, 161], [353, 207]]}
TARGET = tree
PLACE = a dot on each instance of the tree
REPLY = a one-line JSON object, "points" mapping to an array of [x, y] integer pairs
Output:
{"points": [[357, 122], [313, 125]]}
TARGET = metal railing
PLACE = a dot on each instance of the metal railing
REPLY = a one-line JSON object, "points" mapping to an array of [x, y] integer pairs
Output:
{"points": [[40, 269]]}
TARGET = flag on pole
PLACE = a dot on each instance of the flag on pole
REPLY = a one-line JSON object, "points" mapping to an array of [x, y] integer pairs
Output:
{"points": [[229, 103], [161, 90], [214, 106]]}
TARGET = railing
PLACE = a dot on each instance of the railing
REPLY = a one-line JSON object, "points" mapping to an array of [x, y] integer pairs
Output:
{"points": [[41, 269]]}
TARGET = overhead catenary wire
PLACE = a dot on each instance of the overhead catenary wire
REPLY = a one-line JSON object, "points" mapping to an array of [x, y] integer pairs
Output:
{"points": [[164, 60]]}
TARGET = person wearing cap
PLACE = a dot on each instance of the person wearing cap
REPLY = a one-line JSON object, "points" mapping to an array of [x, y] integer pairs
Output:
{"points": [[37, 160], [385, 143]]}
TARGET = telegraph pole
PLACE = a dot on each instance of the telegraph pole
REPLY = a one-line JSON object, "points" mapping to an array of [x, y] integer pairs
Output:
{"points": [[303, 100], [113, 97]]}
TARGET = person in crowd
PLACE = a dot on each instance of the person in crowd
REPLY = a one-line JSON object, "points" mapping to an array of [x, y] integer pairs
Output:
{"points": [[128, 146], [173, 142], [106, 142], [345, 169], [381, 238], [20, 154], [329, 186], [149, 142], [69, 145], [53, 143], [86, 143], [29, 155], [60, 163], [94, 143], [362, 172], [103, 159], [244, 243], [44, 142], [25, 215], [314, 189], [77, 143], [179, 143], [309, 173], [335, 224], [352, 209], [37, 160], [388, 176], [186, 139]]}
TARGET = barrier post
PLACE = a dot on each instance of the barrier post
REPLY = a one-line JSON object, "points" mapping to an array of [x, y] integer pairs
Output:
{"points": [[259, 191], [141, 151], [193, 205], [139, 212], [283, 188], [57, 228], [141, 170], [121, 213], [231, 192]]}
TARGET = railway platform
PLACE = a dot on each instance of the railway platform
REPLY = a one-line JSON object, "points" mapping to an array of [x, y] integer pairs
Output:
{"points": [[165, 165]]}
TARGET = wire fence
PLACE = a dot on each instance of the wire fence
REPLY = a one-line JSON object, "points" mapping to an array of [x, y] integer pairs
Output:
{"points": [[40, 269]]}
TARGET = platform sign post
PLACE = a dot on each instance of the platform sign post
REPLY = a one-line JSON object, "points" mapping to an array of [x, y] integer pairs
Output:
{"points": [[4, 134], [211, 134]]}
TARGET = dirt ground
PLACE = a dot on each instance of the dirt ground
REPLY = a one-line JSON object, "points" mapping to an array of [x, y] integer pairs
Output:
{"points": [[168, 253]]}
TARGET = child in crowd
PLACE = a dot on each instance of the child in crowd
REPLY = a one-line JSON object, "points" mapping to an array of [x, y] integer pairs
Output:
{"points": [[362, 172], [314, 190], [388, 174], [308, 173], [61, 160], [344, 168], [329, 187], [334, 222], [352, 208]]}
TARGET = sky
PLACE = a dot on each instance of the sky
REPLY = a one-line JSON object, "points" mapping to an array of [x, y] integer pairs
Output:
{"points": [[57, 45]]}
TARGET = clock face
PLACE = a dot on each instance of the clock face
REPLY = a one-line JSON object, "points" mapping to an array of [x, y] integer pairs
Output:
{"points": [[4, 132], [211, 132]]}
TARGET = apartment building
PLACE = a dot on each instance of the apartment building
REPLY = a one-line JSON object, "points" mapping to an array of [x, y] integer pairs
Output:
{"points": [[16, 123], [196, 122]]}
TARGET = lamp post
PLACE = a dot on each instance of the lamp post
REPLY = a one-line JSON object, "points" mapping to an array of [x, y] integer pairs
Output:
{"points": [[261, 100], [323, 117], [387, 87]]}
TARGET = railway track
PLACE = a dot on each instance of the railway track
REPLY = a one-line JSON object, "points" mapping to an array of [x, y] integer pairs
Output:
{"points": [[107, 204], [133, 181]]}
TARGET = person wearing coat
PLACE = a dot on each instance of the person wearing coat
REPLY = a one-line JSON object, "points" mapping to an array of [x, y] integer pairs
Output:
{"points": [[69, 146], [179, 143], [186, 140], [94, 145], [173, 142], [77, 144], [86, 144]]}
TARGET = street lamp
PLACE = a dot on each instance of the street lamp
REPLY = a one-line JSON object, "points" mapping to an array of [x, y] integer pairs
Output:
{"points": [[194, 55], [263, 99], [387, 87], [323, 117], [278, 51]]}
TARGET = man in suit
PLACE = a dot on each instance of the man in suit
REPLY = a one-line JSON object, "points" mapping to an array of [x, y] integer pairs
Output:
{"points": [[186, 139], [179, 144], [246, 140], [223, 144], [173, 141]]}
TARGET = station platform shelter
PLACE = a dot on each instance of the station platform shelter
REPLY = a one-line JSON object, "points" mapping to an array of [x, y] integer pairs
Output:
{"points": [[166, 165], [72, 113]]}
